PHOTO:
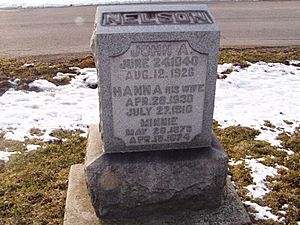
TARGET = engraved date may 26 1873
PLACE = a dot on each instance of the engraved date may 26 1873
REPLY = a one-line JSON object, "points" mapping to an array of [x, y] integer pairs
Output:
{"points": [[158, 89]]}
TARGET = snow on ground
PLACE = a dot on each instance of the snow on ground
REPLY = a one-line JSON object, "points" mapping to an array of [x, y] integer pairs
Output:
{"points": [[4, 155], [249, 96], [62, 3], [32, 147], [73, 106], [262, 91], [263, 213], [46, 3], [259, 173]]}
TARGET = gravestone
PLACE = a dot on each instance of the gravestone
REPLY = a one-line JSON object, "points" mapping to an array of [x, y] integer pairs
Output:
{"points": [[154, 155], [157, 73], [157, 67]]}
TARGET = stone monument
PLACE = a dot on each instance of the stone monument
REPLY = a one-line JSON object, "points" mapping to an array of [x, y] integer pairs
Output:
{"points": [[153, 158]]}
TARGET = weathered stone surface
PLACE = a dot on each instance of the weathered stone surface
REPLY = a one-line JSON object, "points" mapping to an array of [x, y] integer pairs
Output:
{"points": [[157, 67], [156, 74], [79, 210], [143, 183]]}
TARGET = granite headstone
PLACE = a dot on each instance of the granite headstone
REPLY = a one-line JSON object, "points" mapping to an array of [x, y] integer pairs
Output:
{"points": [[154, 158], [155, 151], [157, 67]]}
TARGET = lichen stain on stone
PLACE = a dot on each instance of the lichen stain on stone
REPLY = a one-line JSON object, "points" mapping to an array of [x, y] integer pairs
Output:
{"points": [[109, 180]]}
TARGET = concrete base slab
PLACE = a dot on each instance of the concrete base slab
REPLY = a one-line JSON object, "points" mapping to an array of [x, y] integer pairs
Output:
{"points": [[79, 209]]}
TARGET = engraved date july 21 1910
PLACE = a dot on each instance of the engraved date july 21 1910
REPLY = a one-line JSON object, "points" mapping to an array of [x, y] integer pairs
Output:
{"points": [[157, 91]]}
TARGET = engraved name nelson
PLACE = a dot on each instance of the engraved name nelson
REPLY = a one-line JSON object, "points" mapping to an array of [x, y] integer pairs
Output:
{"points": [[158, 88], [156, 18]]}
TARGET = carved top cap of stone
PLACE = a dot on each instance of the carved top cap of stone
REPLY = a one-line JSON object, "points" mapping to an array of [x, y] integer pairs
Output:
{"points": [[159, 17]]}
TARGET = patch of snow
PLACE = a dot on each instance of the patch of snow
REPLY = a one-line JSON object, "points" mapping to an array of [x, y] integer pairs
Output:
{"points": [[84, 135], [73, 106], [222, 68], [233, 162], [61, 76], [294, 62], [28, 65], [289, 152], [281, 167], [88, 70], [4, 155], [282, 212], [32, 147], [263, 213], [259, 173], [92, 81], [262, 91], [14, 82], [75, 68], [61, 3], [269, 136], [43, 85], [248, 96], [85, 74]]}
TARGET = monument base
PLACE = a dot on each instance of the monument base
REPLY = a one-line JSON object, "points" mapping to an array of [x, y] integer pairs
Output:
{"points": [[130, 185], [79, 209]]}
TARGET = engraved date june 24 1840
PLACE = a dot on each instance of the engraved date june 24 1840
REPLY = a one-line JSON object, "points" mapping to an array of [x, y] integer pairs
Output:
{"points": [[158, 89]]}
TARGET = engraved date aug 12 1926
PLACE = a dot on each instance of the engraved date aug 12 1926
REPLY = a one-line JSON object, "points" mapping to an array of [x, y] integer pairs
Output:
{"points": [[157, 91]]}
